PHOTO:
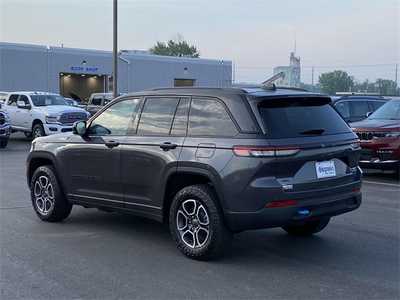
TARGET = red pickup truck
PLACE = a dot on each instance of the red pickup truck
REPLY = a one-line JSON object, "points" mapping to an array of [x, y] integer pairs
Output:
{"points": [[380, 138]]}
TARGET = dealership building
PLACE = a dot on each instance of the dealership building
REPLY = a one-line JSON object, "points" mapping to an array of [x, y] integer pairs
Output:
{"points": [[77, 73]]}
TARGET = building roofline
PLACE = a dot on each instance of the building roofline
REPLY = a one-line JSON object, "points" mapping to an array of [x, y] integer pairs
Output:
{"points": [[128, 54]]}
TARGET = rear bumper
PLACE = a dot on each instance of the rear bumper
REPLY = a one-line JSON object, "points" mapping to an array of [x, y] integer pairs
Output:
{"points": [[276, 217], [380, 164]]}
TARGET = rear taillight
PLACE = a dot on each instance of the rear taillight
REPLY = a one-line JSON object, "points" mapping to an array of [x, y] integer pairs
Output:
{"points": [[255, 151]]}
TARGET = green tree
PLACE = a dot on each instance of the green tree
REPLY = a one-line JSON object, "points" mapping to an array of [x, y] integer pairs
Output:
{"points": [[365, 87], [386, 87], [336, 81], [175, 48]]}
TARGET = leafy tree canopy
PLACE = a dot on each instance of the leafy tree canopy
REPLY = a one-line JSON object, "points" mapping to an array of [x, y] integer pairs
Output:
{"points": [[336, 81], [177, 47]]}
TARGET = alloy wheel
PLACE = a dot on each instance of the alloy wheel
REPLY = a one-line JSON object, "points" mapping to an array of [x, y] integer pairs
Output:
{"points": [[37, 132], [44, 195], [193, 223]]}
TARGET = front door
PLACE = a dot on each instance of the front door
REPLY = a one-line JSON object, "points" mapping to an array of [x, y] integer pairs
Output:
{"points": [[94, 161], [152, 152], [23, 117], [12, 109]]}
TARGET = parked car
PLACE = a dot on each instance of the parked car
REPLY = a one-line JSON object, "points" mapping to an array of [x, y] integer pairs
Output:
{"points": [[97, 101], [208, 161], [380, 138], [356, 108], [38, 113], [5, 128], [3, 96]]}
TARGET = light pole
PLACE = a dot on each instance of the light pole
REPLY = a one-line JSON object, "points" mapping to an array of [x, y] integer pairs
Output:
{"points": [[115, 48]]}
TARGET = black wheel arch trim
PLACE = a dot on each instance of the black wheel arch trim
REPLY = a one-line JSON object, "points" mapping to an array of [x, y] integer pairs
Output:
{"points": [[42, 155], [202, 170]]}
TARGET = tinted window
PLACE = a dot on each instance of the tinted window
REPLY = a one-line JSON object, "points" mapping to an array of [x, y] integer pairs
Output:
{"points": [[300, 118], [179, 125], [47, 100], [13, 100], [97, 100], [116, 119], [389, 111], [209, 117], [359, 108], [157, 116], [24, 98], [376, 104], [343, 108]]}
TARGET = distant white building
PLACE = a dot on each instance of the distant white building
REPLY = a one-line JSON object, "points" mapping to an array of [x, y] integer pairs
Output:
{"points": [[292, 72], [77, 73]]}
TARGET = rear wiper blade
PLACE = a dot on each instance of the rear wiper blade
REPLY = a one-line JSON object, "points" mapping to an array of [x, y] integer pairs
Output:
{"points": [[313, 131]]}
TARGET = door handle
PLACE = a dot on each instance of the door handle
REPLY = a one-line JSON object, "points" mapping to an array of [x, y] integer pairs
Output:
{"points": [[168, 146], [111, 144]]}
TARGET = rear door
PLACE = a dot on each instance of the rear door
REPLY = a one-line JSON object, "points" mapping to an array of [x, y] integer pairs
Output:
{"points": [[151, 152], [211, 132]]}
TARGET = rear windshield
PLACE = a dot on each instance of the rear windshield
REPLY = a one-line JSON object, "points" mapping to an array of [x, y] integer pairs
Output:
{"points": [[289, 118]]}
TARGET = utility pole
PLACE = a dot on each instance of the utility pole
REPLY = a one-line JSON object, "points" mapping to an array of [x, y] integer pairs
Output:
{"points": [[395, 73], [115, 48], [312, 78]]}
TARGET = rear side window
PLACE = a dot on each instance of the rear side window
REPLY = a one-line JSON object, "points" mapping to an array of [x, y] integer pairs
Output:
{"points": [[300, 118], [97, 101], [376, 104], [359, 108], [343, 108], [157, 116], [208, 117]]}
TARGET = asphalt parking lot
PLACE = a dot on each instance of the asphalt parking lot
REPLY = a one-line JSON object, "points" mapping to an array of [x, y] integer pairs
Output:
{"points": [[98, 255]]}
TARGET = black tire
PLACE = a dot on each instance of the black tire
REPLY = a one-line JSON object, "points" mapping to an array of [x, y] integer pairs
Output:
{"points": [[3, 143], [59, 208], [218, 236], [307, 228], [38, 130]]}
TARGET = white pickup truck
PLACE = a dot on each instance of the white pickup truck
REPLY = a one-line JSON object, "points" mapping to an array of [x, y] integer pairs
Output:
{"points": [[39, 114]]}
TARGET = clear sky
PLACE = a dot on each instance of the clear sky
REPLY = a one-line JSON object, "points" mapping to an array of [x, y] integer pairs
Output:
{"points": [[256, 34]]}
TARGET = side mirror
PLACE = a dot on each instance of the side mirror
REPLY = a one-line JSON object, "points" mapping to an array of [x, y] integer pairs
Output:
{"points": [[369, 113], [23, 105], [79, 128]]}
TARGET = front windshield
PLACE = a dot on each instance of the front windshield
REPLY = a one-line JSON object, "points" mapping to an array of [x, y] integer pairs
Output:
{"points": [[388, 111], [46, 100]]}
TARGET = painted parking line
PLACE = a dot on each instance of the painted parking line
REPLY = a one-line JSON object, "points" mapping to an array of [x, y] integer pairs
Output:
{"points": [[382, 183]]}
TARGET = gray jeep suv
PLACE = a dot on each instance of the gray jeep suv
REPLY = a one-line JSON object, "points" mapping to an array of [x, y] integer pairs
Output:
{"points": [[210, 162]]}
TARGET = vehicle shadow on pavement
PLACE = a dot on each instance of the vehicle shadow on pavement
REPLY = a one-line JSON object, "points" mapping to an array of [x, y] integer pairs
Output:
{"points": [[262, 246]]}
